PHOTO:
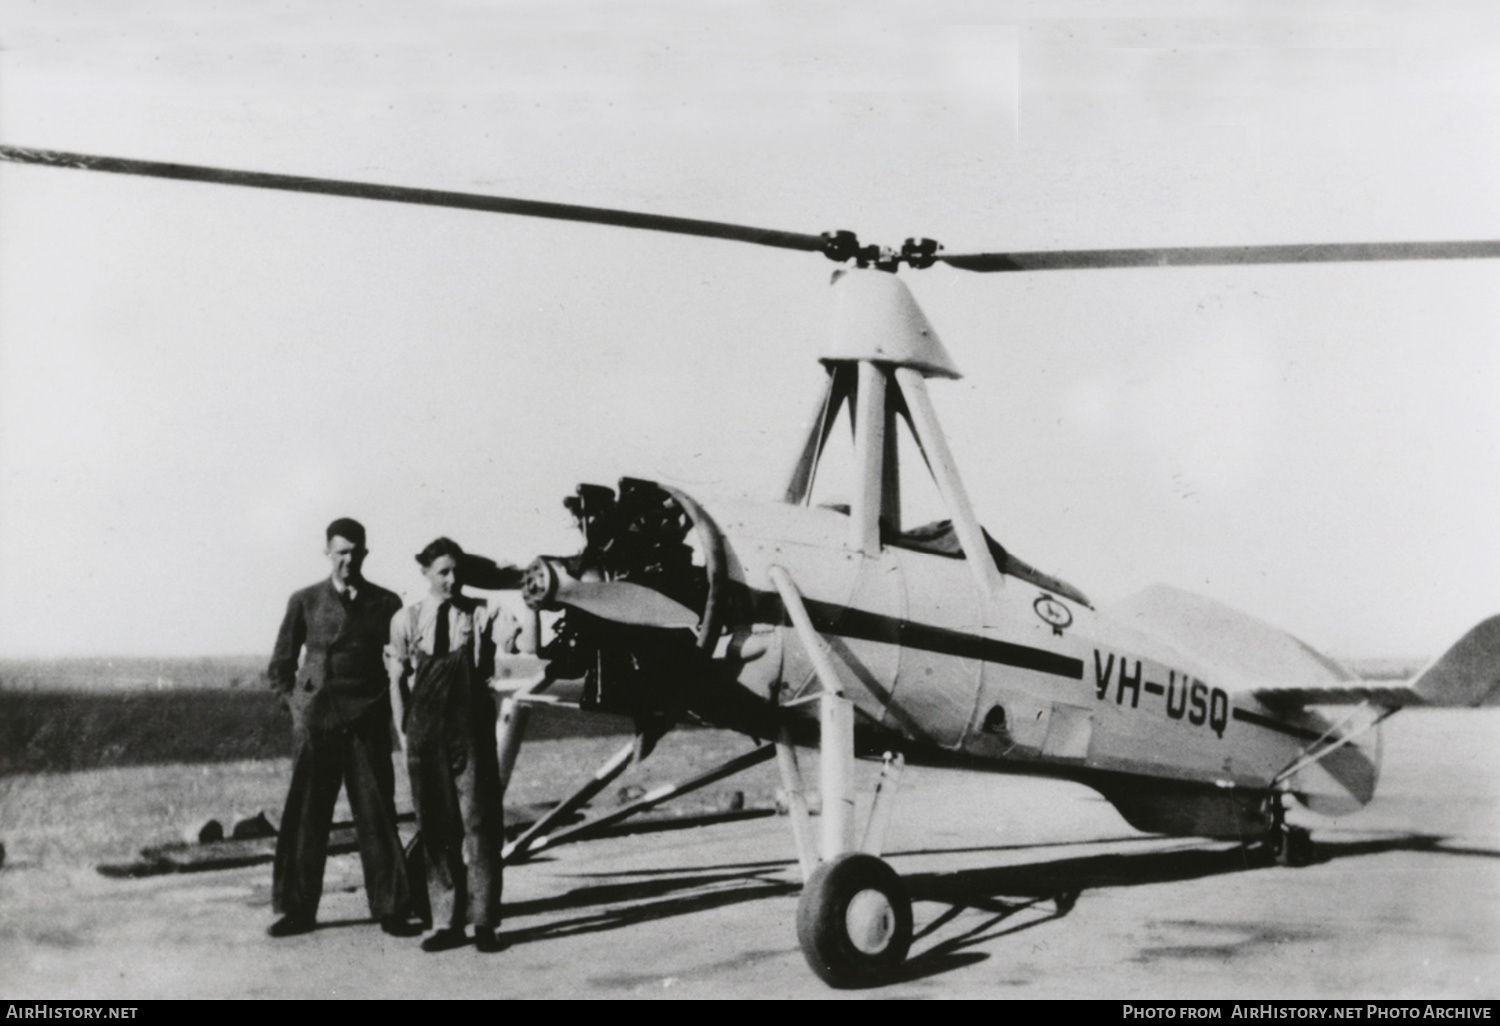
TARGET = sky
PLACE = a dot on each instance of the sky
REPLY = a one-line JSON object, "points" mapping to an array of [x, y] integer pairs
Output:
{"points": [[195, 379]]}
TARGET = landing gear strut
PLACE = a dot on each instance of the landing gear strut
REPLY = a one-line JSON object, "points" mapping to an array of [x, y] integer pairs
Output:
{"points": [[854, 919]]}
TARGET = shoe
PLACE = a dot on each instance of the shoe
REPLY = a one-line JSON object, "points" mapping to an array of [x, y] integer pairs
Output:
{"points": [[487, 941], [445, 940], [400, 926], [290, 926]]}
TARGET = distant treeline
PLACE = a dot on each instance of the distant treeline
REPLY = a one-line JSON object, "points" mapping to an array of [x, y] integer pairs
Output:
{"points": [[1386, 669]]}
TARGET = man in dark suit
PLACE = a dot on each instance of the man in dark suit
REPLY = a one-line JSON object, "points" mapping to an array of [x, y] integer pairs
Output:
{"points": [[341, 716]]}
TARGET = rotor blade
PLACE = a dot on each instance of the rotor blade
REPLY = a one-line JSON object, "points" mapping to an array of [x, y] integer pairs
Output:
{"points": [[421, 197], [627, 603], [1211, 256]]}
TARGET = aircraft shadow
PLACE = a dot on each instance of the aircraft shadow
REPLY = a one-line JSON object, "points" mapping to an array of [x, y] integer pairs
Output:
{"points": [[769, 864], [641, 901], [1004, 892]]}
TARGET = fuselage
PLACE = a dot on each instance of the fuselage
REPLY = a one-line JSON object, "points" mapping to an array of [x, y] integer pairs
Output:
{"points": [[1029, 680]]}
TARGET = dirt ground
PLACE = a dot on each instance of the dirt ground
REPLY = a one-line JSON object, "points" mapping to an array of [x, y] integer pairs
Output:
{"points": [[1403, 903]]}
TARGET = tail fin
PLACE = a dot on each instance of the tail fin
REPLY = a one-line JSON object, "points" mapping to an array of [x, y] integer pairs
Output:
{"points": [[1468, 674]]}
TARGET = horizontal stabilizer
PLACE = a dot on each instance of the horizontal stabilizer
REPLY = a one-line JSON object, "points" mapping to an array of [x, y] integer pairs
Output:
{"points": [[1465, 676], [1389, 696]]}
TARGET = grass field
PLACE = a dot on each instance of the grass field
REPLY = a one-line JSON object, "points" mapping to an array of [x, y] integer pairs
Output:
{"points": [[65, 731], [74, 714], [66, 715]]}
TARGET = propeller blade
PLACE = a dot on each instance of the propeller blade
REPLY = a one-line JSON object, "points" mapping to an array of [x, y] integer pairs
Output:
{"points": [[423, 197], [1212, 256], [487, 575], [627, 603]]}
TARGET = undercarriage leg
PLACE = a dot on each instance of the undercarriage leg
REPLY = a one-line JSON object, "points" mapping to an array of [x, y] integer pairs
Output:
{"points": [[656, 796], [836, 773], [796, 803], [616, 765], [854, 920]]}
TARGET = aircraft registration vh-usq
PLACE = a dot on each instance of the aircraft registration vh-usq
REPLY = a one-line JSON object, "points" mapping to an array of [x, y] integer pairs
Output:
{"points": [[843, 628]]}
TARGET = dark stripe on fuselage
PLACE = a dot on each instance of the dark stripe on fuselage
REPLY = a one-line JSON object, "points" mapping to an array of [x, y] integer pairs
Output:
{"points": [[846, 622], [1276, 725]]}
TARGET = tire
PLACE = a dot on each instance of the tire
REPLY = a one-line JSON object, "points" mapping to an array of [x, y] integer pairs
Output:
{"points": [[854, 921], [1299, 849], [1291, 846]]}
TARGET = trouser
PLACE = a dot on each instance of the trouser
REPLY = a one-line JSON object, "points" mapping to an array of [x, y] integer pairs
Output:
{"points": [[455, 786], [356, 755]]}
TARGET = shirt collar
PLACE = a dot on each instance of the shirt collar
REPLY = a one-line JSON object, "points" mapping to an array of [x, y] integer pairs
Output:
{"points": [[461, 603]]}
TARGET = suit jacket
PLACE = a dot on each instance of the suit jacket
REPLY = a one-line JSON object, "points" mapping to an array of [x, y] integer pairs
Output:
{"points": [[342, 675]]}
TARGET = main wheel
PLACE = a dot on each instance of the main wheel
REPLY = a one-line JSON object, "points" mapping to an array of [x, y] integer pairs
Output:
{"points": [[854, 921]]}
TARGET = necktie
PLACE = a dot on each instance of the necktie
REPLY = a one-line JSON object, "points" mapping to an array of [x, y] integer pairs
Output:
{"points": [[440, 636]]}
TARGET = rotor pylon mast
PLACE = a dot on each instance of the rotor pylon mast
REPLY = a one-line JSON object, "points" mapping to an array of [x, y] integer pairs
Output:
{"points": [[881, 352]]}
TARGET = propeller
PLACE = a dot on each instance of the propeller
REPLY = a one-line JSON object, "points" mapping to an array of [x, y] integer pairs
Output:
{"points": [[623, 602], [548, 584], [487, 575], [840, 246]]}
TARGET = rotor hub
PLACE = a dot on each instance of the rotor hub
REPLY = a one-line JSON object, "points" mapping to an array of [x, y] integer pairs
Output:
{"points": [[844, 246]]}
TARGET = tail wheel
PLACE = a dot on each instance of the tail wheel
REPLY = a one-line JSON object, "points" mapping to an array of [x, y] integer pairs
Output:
{"points": [[1292, 846], [854, 921]]}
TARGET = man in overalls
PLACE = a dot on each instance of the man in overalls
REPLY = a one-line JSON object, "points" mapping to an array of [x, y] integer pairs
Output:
{"points": [[440, 660]]}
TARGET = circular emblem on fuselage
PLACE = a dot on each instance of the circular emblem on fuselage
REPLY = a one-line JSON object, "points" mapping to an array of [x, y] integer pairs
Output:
{"points": [[1053, 612]]}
